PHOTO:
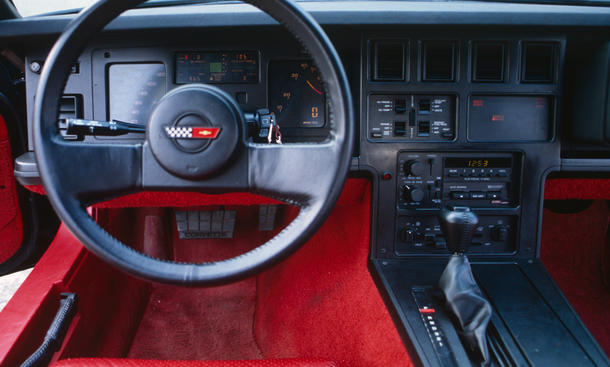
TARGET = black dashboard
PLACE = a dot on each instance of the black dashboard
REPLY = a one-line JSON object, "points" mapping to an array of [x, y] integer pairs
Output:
{"points": [[456, 105]]}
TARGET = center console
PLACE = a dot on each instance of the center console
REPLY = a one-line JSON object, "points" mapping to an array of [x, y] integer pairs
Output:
{"points": [[467, 121]]}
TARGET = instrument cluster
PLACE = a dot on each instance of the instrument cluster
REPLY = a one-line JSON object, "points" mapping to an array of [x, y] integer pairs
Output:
{"points": [[294, 90]]}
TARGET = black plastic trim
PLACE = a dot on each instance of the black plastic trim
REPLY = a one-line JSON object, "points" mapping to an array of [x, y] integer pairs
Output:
{"points": [[329, 13]]}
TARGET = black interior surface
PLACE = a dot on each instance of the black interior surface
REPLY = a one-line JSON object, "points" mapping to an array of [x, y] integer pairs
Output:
{"points": [[422, 75]]}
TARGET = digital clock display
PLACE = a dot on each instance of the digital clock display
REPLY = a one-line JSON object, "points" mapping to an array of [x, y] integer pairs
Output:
{"points": [[477, 162]]}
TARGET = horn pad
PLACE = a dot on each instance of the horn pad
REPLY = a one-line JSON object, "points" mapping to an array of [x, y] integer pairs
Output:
{"points": [[194, 130]]}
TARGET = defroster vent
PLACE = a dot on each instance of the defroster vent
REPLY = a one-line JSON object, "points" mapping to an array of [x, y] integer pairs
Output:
{"points": [[488, 62], [538, 63], [388, 61]]}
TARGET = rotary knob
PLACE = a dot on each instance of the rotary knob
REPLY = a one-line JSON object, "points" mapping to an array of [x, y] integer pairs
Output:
{"points": [[413, 194], [414, 168]]}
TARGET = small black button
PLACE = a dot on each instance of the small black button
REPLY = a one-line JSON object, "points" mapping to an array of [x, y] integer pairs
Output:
{"points": [[459, 195], [499, 233], [478, 195], [493, 195]]}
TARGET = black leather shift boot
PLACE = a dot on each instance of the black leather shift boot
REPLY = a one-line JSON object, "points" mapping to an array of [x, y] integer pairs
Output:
{"points": [[464, 299]]}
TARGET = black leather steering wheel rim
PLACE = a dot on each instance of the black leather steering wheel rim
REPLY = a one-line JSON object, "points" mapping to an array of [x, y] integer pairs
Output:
{"points": [[63, 172]]}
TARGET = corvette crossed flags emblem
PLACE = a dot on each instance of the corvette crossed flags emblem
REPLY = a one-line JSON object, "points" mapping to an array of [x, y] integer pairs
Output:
{"points": [[192, 132]]}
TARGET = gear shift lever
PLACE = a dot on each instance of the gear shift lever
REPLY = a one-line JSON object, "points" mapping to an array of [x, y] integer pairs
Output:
{"points": [[458, 227], [463, 297]]}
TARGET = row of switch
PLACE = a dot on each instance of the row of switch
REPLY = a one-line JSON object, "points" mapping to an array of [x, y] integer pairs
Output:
{"points": [[497, 233], [409, 235], [476, 195]]}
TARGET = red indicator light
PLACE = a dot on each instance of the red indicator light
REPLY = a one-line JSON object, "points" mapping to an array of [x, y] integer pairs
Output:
{"points": [[387, 176], [477, 103], [427, 310], [497, 118], [186, 56]]}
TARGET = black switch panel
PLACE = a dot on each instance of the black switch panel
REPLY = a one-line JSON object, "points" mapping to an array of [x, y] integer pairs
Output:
{"points": [[422, 234], [411, 118]]}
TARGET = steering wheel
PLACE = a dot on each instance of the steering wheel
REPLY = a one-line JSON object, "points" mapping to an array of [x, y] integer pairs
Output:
{"points": [[78, 174]]}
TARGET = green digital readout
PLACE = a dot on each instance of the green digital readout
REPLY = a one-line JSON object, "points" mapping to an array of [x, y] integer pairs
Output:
{"points": [[217, 67]]}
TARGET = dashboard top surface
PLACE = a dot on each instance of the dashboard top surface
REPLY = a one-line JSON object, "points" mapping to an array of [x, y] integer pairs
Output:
{"points": [[331, 13]]}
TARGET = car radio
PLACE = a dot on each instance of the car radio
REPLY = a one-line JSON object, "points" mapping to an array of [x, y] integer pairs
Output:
{"points": [[429, 180]]}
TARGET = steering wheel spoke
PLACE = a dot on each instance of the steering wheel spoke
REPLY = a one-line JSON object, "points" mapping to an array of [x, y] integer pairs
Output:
{"points": [[96, 172], [300, 174]]}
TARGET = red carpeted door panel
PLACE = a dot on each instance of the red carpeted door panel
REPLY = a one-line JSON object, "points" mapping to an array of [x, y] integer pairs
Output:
{"points": [[11, 225], [577, 188], [572, 250]]}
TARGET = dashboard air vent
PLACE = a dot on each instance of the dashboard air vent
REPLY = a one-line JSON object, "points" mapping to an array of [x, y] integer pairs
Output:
{"points": [[70, 106], [488, 62], [388, 61], [538, 63], [438, 61]]}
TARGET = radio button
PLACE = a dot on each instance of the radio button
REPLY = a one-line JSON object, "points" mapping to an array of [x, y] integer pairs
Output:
{"points": [[459, 195], [477, 195], [494, 195]]}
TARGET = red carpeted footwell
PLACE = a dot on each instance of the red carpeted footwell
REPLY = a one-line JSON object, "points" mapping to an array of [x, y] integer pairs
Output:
{"points": [[320, 303], [204, 323], [572, 250]]}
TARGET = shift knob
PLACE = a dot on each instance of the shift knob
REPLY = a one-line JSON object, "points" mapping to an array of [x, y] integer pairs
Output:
{"points": [[458, 225]]}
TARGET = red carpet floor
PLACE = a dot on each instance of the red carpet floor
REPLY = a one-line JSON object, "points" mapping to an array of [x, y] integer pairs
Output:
{"points": [[572, 251], [204, 323], [320, 303]]}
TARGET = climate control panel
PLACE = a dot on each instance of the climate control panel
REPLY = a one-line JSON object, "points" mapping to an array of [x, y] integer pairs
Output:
{"points": [[422, 234], [404, 117], [431, 180]]}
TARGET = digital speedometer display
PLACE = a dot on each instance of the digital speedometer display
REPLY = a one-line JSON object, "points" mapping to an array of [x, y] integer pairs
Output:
{"points": [[217, 67], [133, 91], [296, 94]]}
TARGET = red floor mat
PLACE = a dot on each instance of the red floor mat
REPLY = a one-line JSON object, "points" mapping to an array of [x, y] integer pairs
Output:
{"points": [[572, 251], [201, 324], [204, 323]]}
